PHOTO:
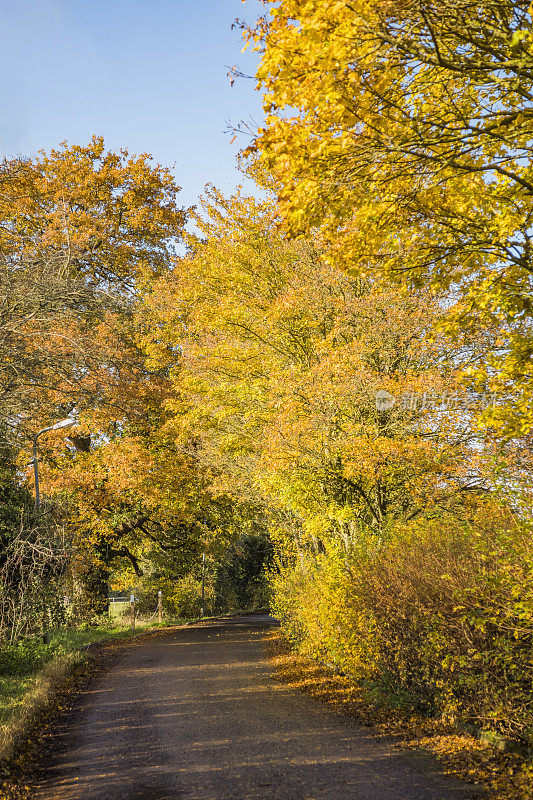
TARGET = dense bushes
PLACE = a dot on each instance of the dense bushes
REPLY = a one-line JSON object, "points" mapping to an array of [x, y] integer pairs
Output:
{"points": [[435, 617], [181, 597], [235, 580], [33, 576], [241, 578]]}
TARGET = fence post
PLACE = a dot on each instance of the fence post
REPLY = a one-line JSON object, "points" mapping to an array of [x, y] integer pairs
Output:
{"points": [[46, 629], [160, 606], [203, 585], [132, 611]]}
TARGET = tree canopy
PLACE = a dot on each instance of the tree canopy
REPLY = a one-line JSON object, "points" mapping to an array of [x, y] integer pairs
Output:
{"points": [[403, 131], [81, 230]]}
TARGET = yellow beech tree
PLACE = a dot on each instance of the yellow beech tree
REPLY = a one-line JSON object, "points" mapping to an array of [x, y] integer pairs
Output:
{"points": [[403, 131], [317, 392]]}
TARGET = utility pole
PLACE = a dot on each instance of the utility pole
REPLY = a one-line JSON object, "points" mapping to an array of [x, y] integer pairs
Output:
{"points": [[64, 423], [36, 473], [160, 606]]}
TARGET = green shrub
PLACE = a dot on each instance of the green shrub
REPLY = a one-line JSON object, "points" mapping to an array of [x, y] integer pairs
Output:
{"points": [[241, 581], [182, 598], [24, 657]]}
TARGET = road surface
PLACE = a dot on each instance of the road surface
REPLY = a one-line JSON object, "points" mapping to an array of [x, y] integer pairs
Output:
{"points": [[195, 715]]}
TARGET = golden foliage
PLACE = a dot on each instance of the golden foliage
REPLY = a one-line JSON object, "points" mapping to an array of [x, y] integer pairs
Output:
{"points": [[403, 131]]}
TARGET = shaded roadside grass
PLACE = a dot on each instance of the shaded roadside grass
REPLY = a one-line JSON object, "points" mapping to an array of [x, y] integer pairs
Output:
{"points": [[37, 680], [507, 776], [25, 667]]}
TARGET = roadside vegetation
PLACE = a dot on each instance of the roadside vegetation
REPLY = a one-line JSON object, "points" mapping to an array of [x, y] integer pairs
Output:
{"points": [[38, 679], [321, 400], [506, 775]]}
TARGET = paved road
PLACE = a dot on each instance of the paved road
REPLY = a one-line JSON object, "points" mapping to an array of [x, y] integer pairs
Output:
{"points": [[194, 715]]}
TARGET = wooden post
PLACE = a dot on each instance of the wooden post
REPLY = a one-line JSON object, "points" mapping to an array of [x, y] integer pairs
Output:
{"points": [[203, 584], [46, 630], [160, 606], [132, 611]]}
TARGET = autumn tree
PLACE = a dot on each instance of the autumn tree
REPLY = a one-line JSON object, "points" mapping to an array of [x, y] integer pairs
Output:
{"points": [[143, 508], [81, 229], [281, 358], [403, 130]]}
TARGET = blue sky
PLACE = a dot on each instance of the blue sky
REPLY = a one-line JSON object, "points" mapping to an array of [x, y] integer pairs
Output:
{"points": [[149, 75]]}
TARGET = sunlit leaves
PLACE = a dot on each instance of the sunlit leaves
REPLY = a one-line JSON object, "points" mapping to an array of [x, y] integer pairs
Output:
{"points": [[404, 133], [278, 359]]}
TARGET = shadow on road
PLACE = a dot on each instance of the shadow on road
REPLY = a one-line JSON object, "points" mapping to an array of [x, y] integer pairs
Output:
{"points": [[195, 714]]}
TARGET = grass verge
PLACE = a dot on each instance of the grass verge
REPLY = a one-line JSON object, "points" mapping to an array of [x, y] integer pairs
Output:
{"points": [[506, 776], [36, 679]]}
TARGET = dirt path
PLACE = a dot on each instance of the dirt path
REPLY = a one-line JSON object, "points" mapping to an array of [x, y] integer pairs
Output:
{"points": [[194, 714]]}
